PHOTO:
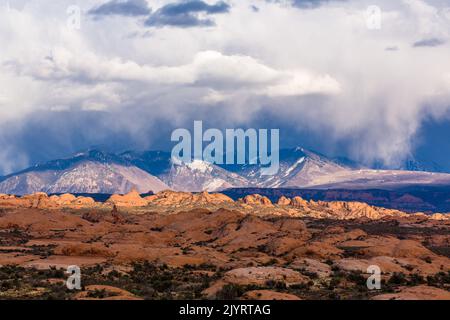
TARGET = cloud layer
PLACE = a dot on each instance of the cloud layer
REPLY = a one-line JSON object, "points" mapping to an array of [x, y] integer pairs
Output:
{"points": [[312, 68], [187, 14], [122, 7]]}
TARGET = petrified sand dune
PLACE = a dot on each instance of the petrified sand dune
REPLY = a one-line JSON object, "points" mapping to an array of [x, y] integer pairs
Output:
{"points": [[256, 199], [260, 275], [267, 295], [132, 199], [416, 293], [172, 198], [43, 201], [245, 249], [172, 202], [110, 293]]}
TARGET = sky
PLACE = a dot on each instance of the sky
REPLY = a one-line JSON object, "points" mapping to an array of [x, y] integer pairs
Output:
{"points": [[368, 80]]}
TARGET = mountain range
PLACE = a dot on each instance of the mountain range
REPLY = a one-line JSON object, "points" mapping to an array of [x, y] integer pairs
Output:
{"points": [[96, 171]]}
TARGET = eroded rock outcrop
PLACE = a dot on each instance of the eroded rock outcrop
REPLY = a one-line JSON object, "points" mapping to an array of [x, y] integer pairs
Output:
{"points": [[132, 199], [179, 199], [41, 200], [260, 276], [256, 199], [173, 202], [267, 295], [283, 201], [416, 293]]}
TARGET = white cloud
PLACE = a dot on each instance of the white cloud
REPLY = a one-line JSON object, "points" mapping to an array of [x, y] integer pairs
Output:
{"points": [[248, 62]]}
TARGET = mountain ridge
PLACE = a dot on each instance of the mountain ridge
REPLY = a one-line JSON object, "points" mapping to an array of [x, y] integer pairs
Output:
{"points": [[97, 171]]}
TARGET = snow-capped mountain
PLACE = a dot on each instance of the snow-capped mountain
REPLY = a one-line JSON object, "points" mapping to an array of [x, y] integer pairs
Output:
{"points": [[99, 172], [297, 168], [201, 176], [89, 172], [157, 163], [194, 177]]}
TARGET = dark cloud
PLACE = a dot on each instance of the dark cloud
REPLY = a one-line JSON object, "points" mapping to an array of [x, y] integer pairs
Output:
{"points": [[122, 7], [432, 42], [186, 14], [182, 20]]}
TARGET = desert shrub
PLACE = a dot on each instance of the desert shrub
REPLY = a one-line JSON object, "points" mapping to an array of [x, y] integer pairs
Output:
{"points": [[100, 294], [230, 292], [357, 278], [397, 279], [416, 279], [278, 285], [271, 262]]}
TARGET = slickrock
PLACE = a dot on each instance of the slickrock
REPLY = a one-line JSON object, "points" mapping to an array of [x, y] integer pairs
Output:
{"points": [[334, 210], [440, 217], [183, 199], [169, 198], [386, 264], [296, 227], [416, 293], [299, 202], [354, 210], [322, 270], [38, 200], [409, 254], [256, 199], [234, 246], [318, 250], [206, 198], [83, 202], [283, 201], [172, 202], [64, 199], [83, 249], [267, 295], [43, 201], [102, 292], [337, 238], [132, 199], [260, 276]]}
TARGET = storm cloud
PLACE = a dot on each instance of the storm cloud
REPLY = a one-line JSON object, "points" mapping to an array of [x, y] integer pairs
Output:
{"points": [[434, 42], [187, 14], [321, 76], [122, 7]]}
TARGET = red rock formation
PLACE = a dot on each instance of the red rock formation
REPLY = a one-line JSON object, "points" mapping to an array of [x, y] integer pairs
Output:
{"points": [[256, 199], [172, 198], [132, 199], [416, 293], [283, 201], [267, 295], [299, 202]]}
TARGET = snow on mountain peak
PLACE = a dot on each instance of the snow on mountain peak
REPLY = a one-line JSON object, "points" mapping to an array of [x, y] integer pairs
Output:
{"points": [[199, 165]]}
